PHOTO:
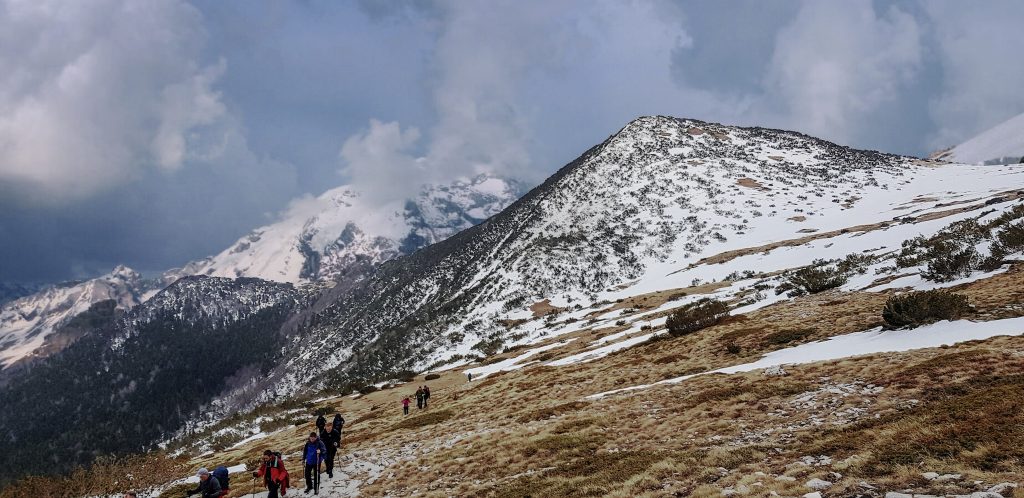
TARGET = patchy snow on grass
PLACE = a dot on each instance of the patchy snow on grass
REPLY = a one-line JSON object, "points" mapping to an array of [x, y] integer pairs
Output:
{"points": [[512, 363], [254, 437], [232, 470], [601, 352], [864, 343]]}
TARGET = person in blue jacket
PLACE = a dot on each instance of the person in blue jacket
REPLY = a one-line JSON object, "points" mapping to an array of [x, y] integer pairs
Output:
{"points": [[313, 453]]}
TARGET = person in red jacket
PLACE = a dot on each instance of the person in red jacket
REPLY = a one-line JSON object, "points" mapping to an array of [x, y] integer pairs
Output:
{"points": [[405, 405], [275, 477]]}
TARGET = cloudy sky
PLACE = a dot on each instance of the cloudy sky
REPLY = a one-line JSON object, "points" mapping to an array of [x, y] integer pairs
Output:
{"points": [[151, 133]]}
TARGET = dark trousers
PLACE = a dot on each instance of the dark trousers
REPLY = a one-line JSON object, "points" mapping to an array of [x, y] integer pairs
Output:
{"points": [[311, 471], [329, 461], [419, 402], [406, 409], [272, 488]]}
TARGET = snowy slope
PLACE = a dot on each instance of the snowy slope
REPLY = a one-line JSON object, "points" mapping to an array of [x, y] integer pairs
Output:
{"points": [[319, 240], [658, 206], [26, 324], [1002, 144]]}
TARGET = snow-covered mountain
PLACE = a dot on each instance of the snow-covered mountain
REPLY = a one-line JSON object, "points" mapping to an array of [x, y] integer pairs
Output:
{"points": [[318, 241], [27, 323], [663, 213], [11, 291], [322, 237], [1001, 144], [664, 204], [142, 373]]}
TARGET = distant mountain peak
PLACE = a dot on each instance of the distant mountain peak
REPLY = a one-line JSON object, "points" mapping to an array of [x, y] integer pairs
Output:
{"points": [[342, 226]]}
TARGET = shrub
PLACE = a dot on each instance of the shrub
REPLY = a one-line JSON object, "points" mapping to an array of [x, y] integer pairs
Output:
{"points": [[1012, 237], [696, 316], [367, 390], [948, 261], [432, 377], [1009, 240], [920, 308], [814, 279], [733, 348]]}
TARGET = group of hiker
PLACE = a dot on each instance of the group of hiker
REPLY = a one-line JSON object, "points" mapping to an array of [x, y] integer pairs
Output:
{"points": [[320, 448], [422, 396]]}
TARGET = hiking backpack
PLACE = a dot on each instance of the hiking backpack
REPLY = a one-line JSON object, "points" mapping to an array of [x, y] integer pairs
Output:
{"points": [[221, 473]]}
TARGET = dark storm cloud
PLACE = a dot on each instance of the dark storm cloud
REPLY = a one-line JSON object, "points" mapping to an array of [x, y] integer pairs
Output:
{"points": [[154, 136]]}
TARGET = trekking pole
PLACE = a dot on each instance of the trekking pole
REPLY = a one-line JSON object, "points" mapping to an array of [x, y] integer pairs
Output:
{"points": [[316, 482]]}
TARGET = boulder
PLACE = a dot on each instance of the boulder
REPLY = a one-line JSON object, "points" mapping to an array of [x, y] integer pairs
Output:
{"points": [[1003, 488]]}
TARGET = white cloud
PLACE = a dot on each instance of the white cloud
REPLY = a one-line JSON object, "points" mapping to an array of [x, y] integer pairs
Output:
{"points": [[379, 161], [91, 93], [499, 66], [838, 62]]}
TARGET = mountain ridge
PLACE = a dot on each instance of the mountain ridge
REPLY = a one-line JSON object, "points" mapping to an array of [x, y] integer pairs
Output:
{"points": [[662, 214], [336, 221]]}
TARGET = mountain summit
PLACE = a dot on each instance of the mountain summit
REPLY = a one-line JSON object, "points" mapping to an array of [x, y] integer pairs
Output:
{"points": [[636, 210], [319, 239]]}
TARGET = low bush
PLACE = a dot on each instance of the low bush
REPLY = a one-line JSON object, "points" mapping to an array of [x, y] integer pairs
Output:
{"points": [[1009, 240], [105, 477], [1012, 237], [432, 377], [696, 316], [367, 390], [819, 277], [920, 308], [949, 261]]}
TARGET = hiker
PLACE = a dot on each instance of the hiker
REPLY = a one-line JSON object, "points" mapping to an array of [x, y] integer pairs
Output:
{"points": [[339, 422], [221, 473], [320, 422], [312, 454], [419, 398], [469, 376], [332, 440], [209, 486], [405, 405], [275, 477], [426, 395]]}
